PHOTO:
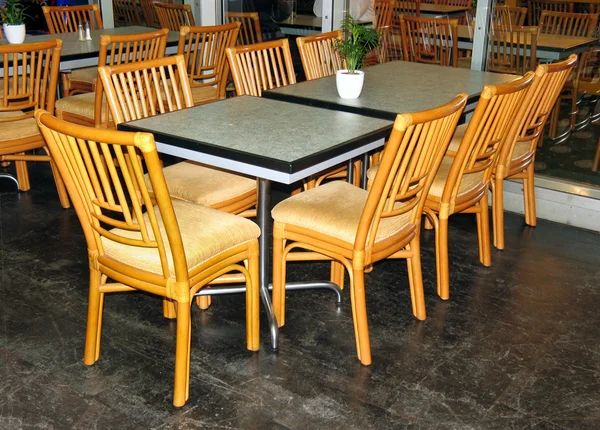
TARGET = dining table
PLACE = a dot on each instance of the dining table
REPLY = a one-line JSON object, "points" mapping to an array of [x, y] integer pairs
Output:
{"points": [[273, 141]]}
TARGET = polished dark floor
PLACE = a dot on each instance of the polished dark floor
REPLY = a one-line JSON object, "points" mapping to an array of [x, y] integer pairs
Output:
{"points": [[516, 347]]}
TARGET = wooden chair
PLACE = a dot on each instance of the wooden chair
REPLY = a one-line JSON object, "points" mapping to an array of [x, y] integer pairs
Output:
{"points": [[513, 51], [354, 228], [384, 12], [140, 246], [568, 24], [261, 66], [126, 13], [66, 19], [150, 12], [507, 17], [174, 16], [430, 40], [405, 7], [29, 80], [462, 182], [465, 3], [319, 55], [517, 156], [204, 52], [90, 108], [390, 44], [535, 8], [250, 31]]}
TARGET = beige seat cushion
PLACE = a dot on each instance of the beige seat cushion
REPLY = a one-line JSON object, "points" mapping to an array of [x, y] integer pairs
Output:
{"points": [[203, 94], [203, 185], [205, 233], [12, 130], [468, 183], [334, 209], [86, 74], [82, 105], [458, 137], [520, 149]]}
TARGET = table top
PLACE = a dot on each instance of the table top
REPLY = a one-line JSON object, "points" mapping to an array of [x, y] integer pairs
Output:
{"points": [[392, 88], [303, 21], [549, 42], [442, 8], [266, 135], [74, 49]]}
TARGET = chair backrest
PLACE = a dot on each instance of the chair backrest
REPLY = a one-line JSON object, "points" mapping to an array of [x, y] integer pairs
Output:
{"points": [[405, 7], [127, 48], [146, 88], [487, 131], [384, 12], [108, 191], [66, 19], [464, 3], [512, 51], [29, 78], [508, 17], [204, 51], [535, 8], [126, 12], [319, 55], [390, 44], [588, 72], [174, 16], [262, 66], [430, 40], [568, 24], [534, 111], [150, 12], [410, 161], [250, 31]]}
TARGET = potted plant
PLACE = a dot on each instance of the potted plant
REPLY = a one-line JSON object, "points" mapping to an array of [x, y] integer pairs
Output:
{"points": [[13, 21], [359, 41]]}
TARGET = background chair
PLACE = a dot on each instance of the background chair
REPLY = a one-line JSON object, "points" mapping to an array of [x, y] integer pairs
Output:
{"points": [[150, 12], [250, 31], [355, 228], [319, 55], [508, 17], [91, 109], [174, 16], [404, 7], [390, 44], [568, 24], [29, 81], [206, 60], [517, 156], [512, 50], [535, 8], [66, 19], [156, 249], [126, 13], [430, 40], [384, 12]]}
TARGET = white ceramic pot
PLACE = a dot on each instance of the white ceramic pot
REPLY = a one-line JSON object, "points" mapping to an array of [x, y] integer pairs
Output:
{"points": [[349, 85], [14, 33]]}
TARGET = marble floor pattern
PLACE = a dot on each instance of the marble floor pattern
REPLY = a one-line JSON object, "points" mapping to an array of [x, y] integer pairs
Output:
{"points": [[516, 347]]}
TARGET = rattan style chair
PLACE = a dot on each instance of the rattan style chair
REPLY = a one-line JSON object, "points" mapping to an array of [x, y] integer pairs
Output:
{"points": [[517, 156], [204, 52], [384, 12], [126, 13], [250, 31], [150, 12], [66, 19], [90, 109], [568, 24], [512, 50], [261, 66], [405, 7], [170, 249], [174, 16], [29, 80], [319, 55], [508, 17], [430, 40], [355, 228], [536, 7]]}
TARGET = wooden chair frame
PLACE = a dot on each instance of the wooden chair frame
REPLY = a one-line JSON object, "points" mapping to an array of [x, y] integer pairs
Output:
{"points": [[150, 12], [405, 7], [384, 12], [536, 7], [430, 40], [126, 13], [104, 197], [250, 31], [66, 19], [513, 51], [174, 16], [568, 24], [319, 55], [508, 17], [413, 153], [29, 80]]}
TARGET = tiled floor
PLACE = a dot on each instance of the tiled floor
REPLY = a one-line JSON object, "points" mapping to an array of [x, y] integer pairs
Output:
{"points": [[516, 347]]}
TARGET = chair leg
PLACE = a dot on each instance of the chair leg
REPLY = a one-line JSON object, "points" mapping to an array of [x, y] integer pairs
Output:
{"points": [[337, 273], [203, 302], [553, 121], [182, 355], [529, 196], [169, 310], [415, 279], [442, 263], [22, 175], [63, 196], [596, 158], [498, 212], [252, 304], [359, 316], [66, 84], [483, 232], [574, 109], [94, 320], [279, 274]]}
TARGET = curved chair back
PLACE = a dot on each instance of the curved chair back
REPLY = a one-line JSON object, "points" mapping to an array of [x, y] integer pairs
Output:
{"points": [[150, 12], [174, 16], [568, 24], [262, 66], [126, 12], [250, 31], [430, 40], [513, 50], [204, 51], [66, 19], [319, 55]]}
